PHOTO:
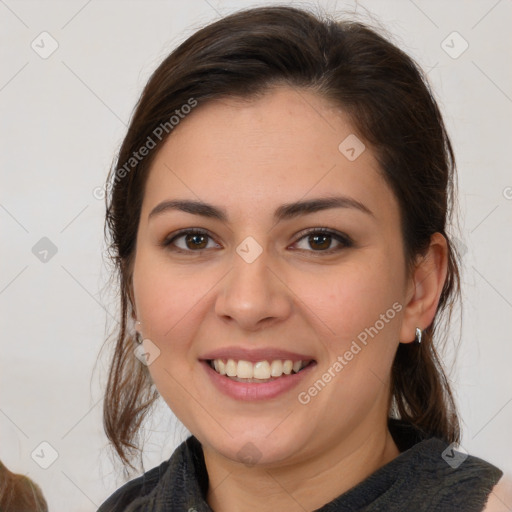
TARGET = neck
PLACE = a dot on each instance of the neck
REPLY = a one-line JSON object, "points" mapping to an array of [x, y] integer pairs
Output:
{"points": [[300, 487]]}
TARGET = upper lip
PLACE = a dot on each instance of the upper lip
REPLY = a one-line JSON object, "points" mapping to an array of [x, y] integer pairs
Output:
{"points": [[255, 355]]}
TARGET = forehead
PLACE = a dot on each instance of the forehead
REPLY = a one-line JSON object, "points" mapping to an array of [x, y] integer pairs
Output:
{"points": [[254, 154]]}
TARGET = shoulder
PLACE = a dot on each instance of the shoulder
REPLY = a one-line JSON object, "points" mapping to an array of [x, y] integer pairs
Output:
{"points": [[136, 488], [500, 498], [137, 494], [444, 478]]}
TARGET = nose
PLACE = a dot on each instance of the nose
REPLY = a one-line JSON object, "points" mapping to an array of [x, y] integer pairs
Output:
{"points": [[252, 296]]}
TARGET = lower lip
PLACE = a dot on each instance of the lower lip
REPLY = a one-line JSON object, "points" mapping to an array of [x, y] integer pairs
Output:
{"points": [[249, 391]]}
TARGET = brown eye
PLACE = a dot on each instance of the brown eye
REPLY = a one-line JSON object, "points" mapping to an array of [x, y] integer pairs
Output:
{"points": [[321, 240], [195, 241], [191, 240]]}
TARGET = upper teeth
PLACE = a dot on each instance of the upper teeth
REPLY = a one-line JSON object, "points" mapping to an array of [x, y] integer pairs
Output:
{"points": [[260, 370]]}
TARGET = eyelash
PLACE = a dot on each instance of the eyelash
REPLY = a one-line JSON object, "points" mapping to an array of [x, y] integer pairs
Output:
{"points": [[343, 239]]}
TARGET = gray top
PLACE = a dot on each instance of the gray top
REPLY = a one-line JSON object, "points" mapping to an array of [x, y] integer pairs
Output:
{"points": [[428, 475]]}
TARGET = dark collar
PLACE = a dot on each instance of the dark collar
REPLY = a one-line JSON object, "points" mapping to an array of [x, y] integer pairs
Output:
{"points": [[417, 478]]}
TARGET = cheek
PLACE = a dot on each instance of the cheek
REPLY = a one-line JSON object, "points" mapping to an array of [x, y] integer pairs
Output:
{"points": [[360, 318], [358, 310], [351, 298], [167, 300]]}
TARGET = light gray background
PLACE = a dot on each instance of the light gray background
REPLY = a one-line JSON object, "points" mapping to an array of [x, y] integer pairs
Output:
{"points": [[62, 120]]}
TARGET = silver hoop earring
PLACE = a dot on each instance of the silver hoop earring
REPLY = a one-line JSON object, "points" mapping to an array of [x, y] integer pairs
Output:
{"points": [[419, 335]]}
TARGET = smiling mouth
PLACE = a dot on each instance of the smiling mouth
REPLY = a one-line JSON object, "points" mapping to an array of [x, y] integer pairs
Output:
{"points": [[259, 372]]}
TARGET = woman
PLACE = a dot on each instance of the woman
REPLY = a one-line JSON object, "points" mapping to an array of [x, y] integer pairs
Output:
{"points": [[278, 215]]}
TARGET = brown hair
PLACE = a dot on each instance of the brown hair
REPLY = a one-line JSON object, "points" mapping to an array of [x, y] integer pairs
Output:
{"points": [[391, 105], [18, 492]]}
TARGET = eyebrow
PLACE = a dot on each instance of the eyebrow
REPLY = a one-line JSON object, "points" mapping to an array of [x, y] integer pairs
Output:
{"points": [[283, 212]]}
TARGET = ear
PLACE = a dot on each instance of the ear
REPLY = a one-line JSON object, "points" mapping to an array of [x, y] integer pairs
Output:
{"points": [[424, 288]]}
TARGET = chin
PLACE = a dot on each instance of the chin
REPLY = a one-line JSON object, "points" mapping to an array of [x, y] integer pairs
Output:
{"points": [[255, 446]]}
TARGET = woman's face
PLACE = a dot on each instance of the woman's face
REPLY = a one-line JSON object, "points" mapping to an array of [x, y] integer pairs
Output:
{"points": [[255, 286]]}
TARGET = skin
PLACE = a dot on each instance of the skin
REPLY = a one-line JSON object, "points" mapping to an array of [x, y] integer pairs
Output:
{"points": [[250, 157], [500, 499]]}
